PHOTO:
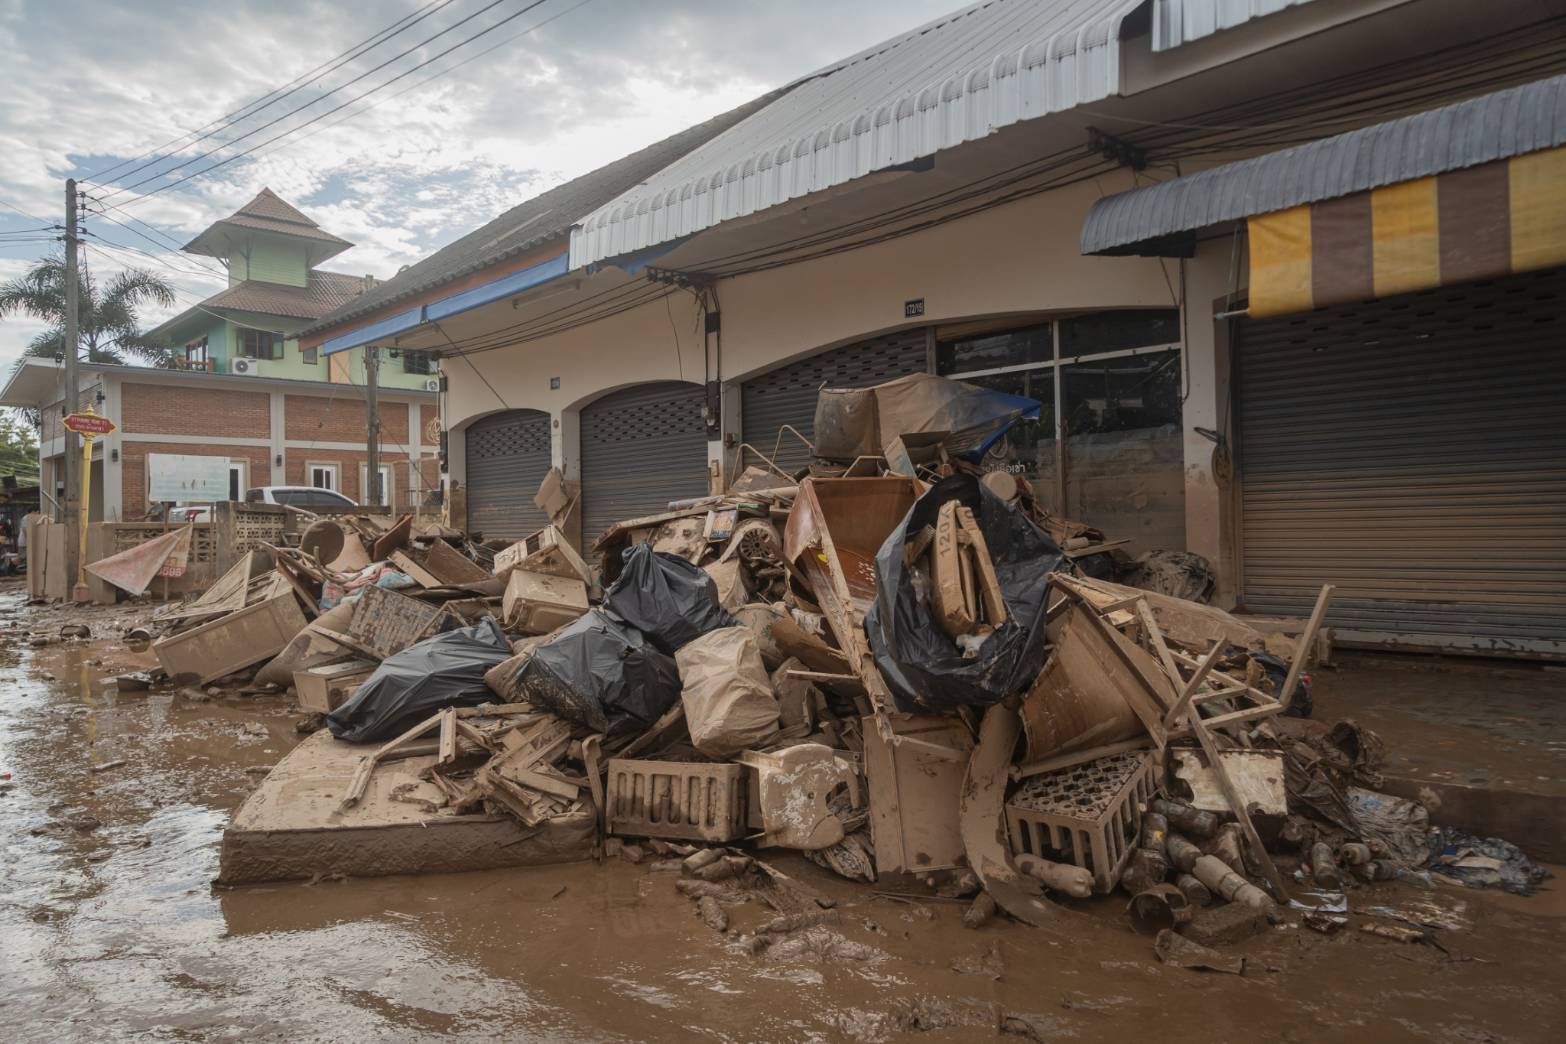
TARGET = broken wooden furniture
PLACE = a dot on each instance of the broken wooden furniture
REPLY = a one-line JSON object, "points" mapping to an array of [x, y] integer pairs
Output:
{"points": [[537, 603], [545, 551], [914, 783], [385, 622], [233, 642], [324, 689], [833, 533]]}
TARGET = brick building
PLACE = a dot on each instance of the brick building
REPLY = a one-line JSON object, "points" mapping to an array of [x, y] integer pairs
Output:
{"points": [[273, 432]]}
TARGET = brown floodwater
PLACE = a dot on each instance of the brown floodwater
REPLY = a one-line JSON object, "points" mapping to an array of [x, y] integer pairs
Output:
{"points": [[114, 931]]}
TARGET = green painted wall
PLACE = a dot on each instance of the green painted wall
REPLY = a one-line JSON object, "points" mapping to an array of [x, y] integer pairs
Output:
{"points": [[269, 259], [392, 375]]}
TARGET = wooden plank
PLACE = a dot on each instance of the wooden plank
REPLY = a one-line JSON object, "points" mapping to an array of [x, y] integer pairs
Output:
{"points": [[1194, 683], [361, 777], [448, 737], [422, 576], [545, 784], [1194, 719], [1302, 648]]}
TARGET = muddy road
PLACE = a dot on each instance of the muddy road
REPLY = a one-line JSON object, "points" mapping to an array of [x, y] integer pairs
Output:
{"points": [[111, 930]]}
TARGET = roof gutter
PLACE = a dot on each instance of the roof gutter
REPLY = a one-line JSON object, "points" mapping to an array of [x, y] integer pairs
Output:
{"points": [[509, 285]]}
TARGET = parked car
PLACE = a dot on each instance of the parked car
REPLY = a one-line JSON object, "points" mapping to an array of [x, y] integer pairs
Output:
{"points": [[311, 498]]}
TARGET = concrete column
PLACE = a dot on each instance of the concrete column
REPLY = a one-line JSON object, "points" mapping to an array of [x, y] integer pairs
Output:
{"points": [[1209, 482], [277, 445], [113, 479]]}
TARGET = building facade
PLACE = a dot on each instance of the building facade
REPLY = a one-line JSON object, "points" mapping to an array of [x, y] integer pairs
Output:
{"points": [[272, 251], [272, 432], [843, 232]]}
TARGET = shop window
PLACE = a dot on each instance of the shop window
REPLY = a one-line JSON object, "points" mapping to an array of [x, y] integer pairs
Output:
{"points": [[1028, 449], [1024, 347], [1113, 393], [1124, 452], [418, 362], [260, 344], [1117, 331]]}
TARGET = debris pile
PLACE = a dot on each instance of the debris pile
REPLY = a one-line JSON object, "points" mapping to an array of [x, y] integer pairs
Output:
{"points": [[895, 661]]}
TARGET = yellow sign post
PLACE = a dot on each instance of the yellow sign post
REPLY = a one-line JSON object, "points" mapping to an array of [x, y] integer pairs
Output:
{"points": [[89, 425]]}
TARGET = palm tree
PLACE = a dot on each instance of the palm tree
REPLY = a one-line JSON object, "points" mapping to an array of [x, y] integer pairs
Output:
{"points": [[108, 328]]}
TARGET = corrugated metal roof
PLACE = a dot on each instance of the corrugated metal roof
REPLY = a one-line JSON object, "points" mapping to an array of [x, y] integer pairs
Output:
{"points": [[1494, 126], [534, 221], [1177, 22], [954, 80]]}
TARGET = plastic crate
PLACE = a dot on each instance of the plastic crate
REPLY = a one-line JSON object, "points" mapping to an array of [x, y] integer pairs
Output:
{"points": [[695, 801], [1087, 815]]}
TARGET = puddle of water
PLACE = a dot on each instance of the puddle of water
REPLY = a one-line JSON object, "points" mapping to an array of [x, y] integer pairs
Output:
{"points": [[115, 932]]}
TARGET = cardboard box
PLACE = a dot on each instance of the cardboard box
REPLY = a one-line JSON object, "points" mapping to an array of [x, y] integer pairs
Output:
{"points": [[537, 603], [324, 689], [546, 551]]}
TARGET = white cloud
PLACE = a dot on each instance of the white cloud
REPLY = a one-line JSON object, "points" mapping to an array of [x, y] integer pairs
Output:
{"points": [[405, 171]]}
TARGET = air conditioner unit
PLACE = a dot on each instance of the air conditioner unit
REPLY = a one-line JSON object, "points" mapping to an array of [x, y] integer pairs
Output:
{"points": [[245, 368], [432, 384]]}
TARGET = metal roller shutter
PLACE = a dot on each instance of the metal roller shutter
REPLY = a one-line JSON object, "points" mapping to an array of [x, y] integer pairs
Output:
{"points": [[507, 457], [641, 448], [1413, 452], [787, 395]]}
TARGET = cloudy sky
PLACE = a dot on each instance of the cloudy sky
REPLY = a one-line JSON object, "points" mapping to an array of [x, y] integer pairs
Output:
{"points": [[555, 91]]}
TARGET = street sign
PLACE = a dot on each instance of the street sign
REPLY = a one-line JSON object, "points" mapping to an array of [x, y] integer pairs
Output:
{"points": [[89, 424]]}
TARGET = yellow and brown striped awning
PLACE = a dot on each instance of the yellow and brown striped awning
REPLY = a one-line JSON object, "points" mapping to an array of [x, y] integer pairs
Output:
{"points": [[1476, 223]]}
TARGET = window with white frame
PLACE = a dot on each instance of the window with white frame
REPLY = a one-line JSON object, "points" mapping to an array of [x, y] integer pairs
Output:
{"points": [[1107, 447], [366, 494], [323, 476]]}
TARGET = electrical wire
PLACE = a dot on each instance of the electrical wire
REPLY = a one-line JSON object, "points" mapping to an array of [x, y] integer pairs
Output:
{"points": [[321, 116], [187, 258], [273, 96], [377, 103]]}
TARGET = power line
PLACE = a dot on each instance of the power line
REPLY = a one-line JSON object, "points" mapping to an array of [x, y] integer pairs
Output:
{"points": [[183, 256], [430, 78], [322, 116], [163, 261], [274, 96]]}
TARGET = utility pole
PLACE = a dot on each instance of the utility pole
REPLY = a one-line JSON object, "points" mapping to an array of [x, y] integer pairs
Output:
{"points": [[73, 394], [372, 450]]}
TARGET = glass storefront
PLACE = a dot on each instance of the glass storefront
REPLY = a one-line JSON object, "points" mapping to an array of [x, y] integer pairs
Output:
{"points": [[1107, 447]]}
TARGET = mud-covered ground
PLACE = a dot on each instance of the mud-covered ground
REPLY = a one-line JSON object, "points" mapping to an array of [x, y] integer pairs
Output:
{"points": [[110, 928]]}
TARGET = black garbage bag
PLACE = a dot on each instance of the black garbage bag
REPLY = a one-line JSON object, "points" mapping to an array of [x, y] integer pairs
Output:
{"points": [[922, 664], [601, 673], [446, 670], [666, 598]]}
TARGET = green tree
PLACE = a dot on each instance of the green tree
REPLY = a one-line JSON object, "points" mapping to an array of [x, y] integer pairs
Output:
{"points": [[18, 451], [108, 327]]}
